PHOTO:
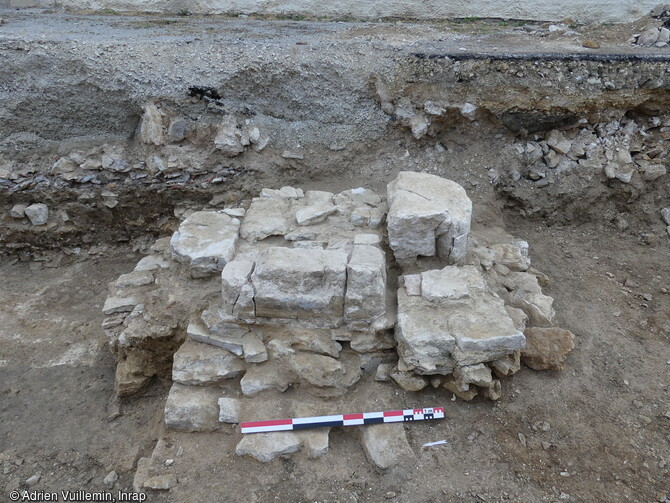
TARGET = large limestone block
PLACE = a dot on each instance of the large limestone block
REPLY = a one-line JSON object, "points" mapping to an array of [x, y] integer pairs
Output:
{"points": [[192, 408], [205, 242], [267, 216], [366, 283], [300, 283], [428, 216], [197, 363], [455, 320], [386, 445]]}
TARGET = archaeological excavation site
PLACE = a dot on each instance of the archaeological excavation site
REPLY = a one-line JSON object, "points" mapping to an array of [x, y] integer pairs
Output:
{"points": [[352, 252]]}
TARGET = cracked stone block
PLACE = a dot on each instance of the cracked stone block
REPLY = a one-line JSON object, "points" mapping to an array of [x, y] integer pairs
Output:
{"points": [[197, 363], [265, 447], [234, 276], [456, 320], [300, 283], [366, 284], [192, 408], [428, 216], [205, 242]]}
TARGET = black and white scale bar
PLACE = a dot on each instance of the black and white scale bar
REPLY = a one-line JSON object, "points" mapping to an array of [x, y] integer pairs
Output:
{"points": [[299, 423]]}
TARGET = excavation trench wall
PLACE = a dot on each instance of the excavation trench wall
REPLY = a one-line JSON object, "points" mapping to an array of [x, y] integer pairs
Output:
{"points": [[334, 105]]}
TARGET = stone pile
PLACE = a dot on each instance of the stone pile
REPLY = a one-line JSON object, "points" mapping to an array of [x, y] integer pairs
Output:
{"points": [[619, 149], [303, 289]]}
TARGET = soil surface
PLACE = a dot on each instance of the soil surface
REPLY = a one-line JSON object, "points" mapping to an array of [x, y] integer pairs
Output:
{"points": [[594, 432]]}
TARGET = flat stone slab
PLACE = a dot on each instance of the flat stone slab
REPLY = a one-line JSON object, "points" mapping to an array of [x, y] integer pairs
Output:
{"points": [[205, 242], [199, 332], [300, 283], [192, 408], [267, 216], [456, 320], [428, 216], [115, 304], [265, 447], [198, 363]]}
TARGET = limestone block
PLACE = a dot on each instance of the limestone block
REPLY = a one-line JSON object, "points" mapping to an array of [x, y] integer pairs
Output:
{"points": [[507, 365], [386, 445], [229, 410], [135, 279], [18, 211], [197, 363], [456, 320], [267, 446], [428, 216], [311, 341], [369, 239], [151, 263], [479, 375], [205, 242], [151, 129], [245, 307], [192, 408], [547, 348], [229, 138], [366, 284], [408, 381], [267, 216], [300, 283], [115, 304], [512, 255], [314, 214], [234, 276]]}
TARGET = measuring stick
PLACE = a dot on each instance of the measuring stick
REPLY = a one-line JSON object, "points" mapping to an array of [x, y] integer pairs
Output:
{"points": [[299, 423]]}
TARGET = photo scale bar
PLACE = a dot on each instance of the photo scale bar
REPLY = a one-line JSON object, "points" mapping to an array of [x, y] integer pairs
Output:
{"points": [[301, 423]]}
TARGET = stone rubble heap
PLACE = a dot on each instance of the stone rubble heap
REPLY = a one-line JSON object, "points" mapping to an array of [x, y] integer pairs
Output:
{"points": [[619, 149], [299, 290]]}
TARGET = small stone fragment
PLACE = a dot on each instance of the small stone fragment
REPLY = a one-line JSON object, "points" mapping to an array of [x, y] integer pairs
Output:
{"points": [[254, 349], [110, 479], [115, 304], [18, 211], [315, 442]]}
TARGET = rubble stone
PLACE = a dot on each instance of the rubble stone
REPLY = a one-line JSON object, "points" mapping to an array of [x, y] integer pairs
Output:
{"points": [[233, 342], [318, 370], [38, 213], [314, 442], [267, 446], [205, 242], [119, 305], [254, 349], [263, 377], [234, 276], [547, 348], [408, 381], [192, 408], [266, 217], [151, 129], [163, 482], [18, 211], [428, 216]]}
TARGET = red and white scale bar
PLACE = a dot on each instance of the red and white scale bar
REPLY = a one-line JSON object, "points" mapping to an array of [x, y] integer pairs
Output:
{"points": [[299, 423]]}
